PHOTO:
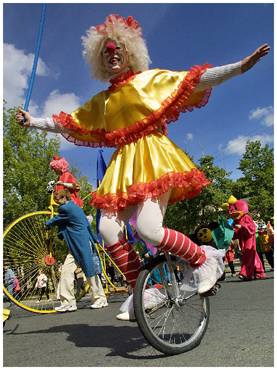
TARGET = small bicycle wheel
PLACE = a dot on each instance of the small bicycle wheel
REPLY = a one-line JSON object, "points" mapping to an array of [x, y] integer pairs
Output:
{"points": [[172, 320], [28, 248]]}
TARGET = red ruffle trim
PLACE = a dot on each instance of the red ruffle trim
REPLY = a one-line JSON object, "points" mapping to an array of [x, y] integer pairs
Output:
{"points": [[122, 80], [168, 112], [191, 183]]}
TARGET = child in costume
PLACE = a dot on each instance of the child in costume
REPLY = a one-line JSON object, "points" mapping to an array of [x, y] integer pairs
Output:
{"points": [[66, 180], [245, 232], [230, 256], [147, 170]]}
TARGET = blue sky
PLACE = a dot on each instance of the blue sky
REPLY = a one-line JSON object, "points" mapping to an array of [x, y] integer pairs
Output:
{"points": [[178, 36]]}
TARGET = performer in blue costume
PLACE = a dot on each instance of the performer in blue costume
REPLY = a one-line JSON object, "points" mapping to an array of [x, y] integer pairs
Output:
{"points": [[74, 228]]}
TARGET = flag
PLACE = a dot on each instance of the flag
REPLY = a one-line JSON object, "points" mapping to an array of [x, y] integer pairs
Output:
{"points": [[101, 169]]}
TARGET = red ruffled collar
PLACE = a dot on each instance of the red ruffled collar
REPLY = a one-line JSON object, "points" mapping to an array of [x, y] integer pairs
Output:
{"points": [[122, 79]]}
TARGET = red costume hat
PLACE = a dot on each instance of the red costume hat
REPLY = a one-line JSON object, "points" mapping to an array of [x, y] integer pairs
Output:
{"points": [[59, 164]]}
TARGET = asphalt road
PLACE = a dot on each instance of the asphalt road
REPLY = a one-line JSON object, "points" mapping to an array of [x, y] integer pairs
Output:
{"points": [[240, 333]]}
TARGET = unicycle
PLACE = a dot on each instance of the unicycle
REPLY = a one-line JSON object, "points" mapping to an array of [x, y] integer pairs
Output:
{"points": [[171, 319]]}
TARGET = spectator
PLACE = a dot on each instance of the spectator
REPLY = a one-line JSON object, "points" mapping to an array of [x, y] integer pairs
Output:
{"points": [[270, 232], [110, 270], [9, 277], [41, 285], [80, 284], [230, 256], [266, 247]]}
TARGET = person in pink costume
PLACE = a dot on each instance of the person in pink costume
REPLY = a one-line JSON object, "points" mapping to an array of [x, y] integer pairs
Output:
{"points": [[66, 180], [245, 232]]}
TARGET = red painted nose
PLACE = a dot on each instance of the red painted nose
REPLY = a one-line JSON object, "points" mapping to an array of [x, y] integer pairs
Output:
{"points": [[111, 46]]}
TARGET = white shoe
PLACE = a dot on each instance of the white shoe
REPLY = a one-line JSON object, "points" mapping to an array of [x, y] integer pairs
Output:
{"points": [[153, 298], [208, 273], [66, 308], [99, 303], [126, 316]]}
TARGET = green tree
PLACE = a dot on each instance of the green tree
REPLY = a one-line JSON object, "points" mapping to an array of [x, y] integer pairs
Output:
{"points": [[257, 183], [26, 158], [185, 216]]}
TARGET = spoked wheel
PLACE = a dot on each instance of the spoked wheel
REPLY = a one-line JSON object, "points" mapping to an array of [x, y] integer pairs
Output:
{"points": [[27, 249], [172, 320]]}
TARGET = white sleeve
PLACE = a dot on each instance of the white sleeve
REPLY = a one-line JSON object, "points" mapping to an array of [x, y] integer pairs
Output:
{"points": [[215, 76], [46, 124]]}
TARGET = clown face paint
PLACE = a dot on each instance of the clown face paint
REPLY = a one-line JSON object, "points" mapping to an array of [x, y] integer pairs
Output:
{"points": [[114, 57]]}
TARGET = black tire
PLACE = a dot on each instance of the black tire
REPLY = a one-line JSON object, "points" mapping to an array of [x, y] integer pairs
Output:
{"points": [[143, 315]]}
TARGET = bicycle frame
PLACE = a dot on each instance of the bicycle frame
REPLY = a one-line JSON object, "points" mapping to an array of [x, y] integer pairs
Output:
{"points": [[174, 283]]}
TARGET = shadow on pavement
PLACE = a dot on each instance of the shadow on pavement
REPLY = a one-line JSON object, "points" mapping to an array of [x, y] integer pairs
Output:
{"points": [[237, 280], [121, 340]]}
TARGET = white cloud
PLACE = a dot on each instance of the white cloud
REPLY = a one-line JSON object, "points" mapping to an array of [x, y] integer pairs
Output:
{"points": [[17, 66], [57, 102], [265, 115], [189, 136], [237, 145], [34, 109], [64, 144], [269, 120]]}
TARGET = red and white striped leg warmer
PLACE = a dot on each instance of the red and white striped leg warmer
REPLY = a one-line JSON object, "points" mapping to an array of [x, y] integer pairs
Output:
{"points": [[127, 260], [180, 245]]}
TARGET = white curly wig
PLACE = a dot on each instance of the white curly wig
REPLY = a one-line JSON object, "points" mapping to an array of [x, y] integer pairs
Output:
{"points": [[124, 30]]}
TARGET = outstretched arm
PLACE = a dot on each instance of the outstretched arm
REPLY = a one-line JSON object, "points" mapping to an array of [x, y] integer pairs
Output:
{"points": [[215, 76], [69, 181], [46, 124], [255, 57], [61, 218]]}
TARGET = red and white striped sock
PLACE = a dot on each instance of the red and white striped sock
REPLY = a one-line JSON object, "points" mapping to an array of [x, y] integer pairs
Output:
{"points": [[126, 259], [180, 245]]}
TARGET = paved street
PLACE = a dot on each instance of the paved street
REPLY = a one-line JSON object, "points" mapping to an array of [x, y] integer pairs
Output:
{"points": [[240, 333]]}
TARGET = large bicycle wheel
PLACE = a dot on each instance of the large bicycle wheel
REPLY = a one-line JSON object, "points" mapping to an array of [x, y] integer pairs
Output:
{"points": [[172, 320], [28, 249]]}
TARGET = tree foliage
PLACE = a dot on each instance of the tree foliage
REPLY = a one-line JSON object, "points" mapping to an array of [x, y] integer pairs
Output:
{"points": [[256, 186], [26, 158], [185, 216], [257, 183], [27, 154]]}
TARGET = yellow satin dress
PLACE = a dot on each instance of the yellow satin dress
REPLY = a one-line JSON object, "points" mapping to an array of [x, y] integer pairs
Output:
{"points": [[133, 115]]}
